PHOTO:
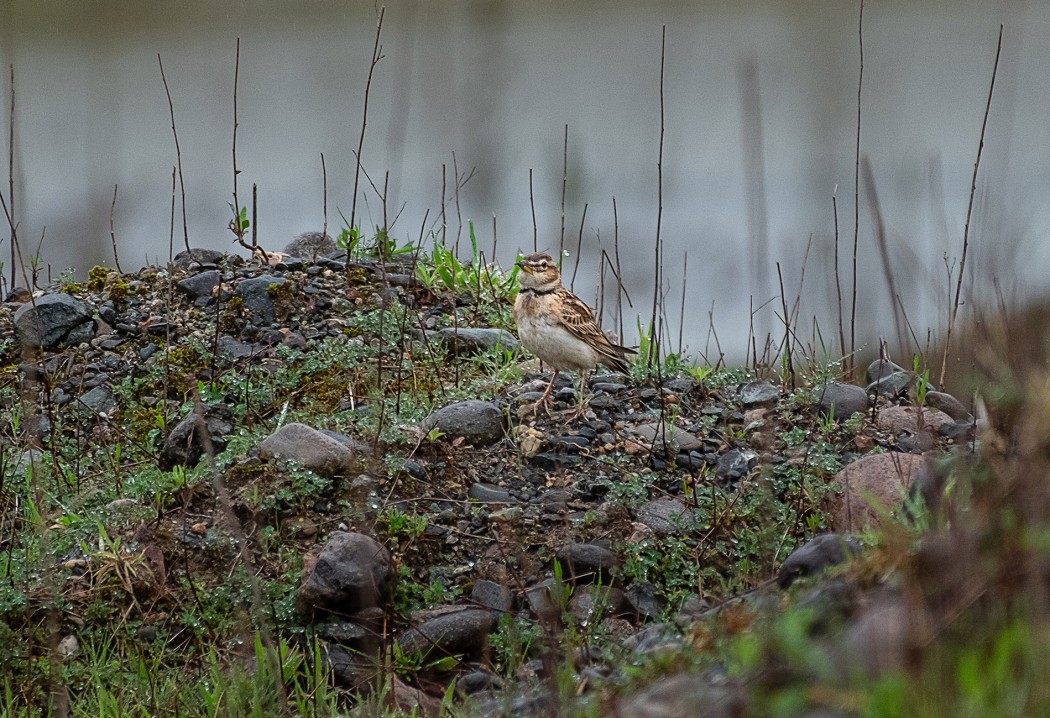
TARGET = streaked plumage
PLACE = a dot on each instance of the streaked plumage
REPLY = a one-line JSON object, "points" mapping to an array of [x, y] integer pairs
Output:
{"points": [[555, 325]]}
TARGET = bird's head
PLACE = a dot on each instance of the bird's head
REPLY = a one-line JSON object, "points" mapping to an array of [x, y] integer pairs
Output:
{"points": [[538, 271]]}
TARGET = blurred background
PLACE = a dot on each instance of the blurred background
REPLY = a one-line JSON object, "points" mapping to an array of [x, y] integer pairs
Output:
{"points": [[760, 104]]}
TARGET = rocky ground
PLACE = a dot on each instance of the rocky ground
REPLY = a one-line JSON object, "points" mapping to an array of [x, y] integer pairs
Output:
{"points": [[343, 461]]}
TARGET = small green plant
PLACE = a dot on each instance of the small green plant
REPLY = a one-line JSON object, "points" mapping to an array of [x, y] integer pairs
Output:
{"points": [[239, 222], [400, 526], [922, 381], [441, 270]]}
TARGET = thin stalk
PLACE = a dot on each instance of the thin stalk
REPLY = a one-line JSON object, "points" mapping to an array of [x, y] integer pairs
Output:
{"points": [[178, 154], [969, 208]]}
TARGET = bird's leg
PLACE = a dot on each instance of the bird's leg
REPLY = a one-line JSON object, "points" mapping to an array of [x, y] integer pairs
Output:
{"points": [[583, 404], [545, 400]]}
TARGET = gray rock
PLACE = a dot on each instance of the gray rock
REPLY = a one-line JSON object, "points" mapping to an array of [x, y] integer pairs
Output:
{"points": [[311, 245], [544, 600], [654, 638], [735, 464], [488, 494], [233, 349], [347, 441], [454, 630], [816, 555], [343, 632], [479, 422], [590, 604], [892, 385], [52, 320], [256, 295], [757, 392], [100, 399], [677, 439], [197, 255], [185, 446], [476, 339], [311, 449], [491, 595], [948, 404], [588, 563], [692, 608], [477, 681], [684, 694], [353, 572], [680, 384], [199, 285], [881, 368], [877, 641], [842, 401], [667, 516], [644, 601]]}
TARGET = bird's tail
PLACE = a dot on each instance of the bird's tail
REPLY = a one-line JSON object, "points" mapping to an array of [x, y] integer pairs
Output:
{"points": [[615, 357]]}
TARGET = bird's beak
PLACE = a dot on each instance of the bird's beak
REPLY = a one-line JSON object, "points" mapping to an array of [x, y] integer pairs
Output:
{"points": [[520, 265]]}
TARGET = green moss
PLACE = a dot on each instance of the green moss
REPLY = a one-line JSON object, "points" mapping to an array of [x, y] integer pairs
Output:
{"points": [[281, 294], [118, 290], [97, 278]]}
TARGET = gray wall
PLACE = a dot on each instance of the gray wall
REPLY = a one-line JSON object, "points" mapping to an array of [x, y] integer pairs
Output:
{"points": [[760, 130]]}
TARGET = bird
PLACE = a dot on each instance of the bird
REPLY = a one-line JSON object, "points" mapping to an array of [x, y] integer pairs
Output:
{"points": [[555, 325]]}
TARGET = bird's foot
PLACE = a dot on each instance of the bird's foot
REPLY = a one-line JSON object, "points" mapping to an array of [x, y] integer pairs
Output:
{"points": [[544, 403]]}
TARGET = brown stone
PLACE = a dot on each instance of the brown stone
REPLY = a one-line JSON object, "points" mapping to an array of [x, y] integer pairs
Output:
{"points": [[877, 479], [895, 419]]}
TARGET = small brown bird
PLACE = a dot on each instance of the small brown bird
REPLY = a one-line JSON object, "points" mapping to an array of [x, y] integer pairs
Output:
{"points": [[559, 328]]}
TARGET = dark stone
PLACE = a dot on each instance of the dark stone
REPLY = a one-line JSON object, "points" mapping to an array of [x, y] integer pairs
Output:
{"points": [[881, 368], [552, 461], [343, 632], [692, 608], [52, 320], [477, 681], [892, 385], [257, 299], [735, 464], [489, 594], [311, 245], [472, 340], [198, 255], [948, 404], [414, 469], [199, 285], [817, 554], [588, 563], [684, 694], [478, 422], [590, 604], [959, 431], [488, 494], [572, 444], [842, 401], [353, 572], [232, 349], [100, 399], [667, 516], [544, 602], [680, 384], [654, 638], [185, 445], [311, 449], [644, 600], [454, 630], [609, 387], [758, 392]]}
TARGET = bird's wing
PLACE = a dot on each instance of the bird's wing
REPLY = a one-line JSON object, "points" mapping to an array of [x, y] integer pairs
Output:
{"points": [[576, 317]]}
